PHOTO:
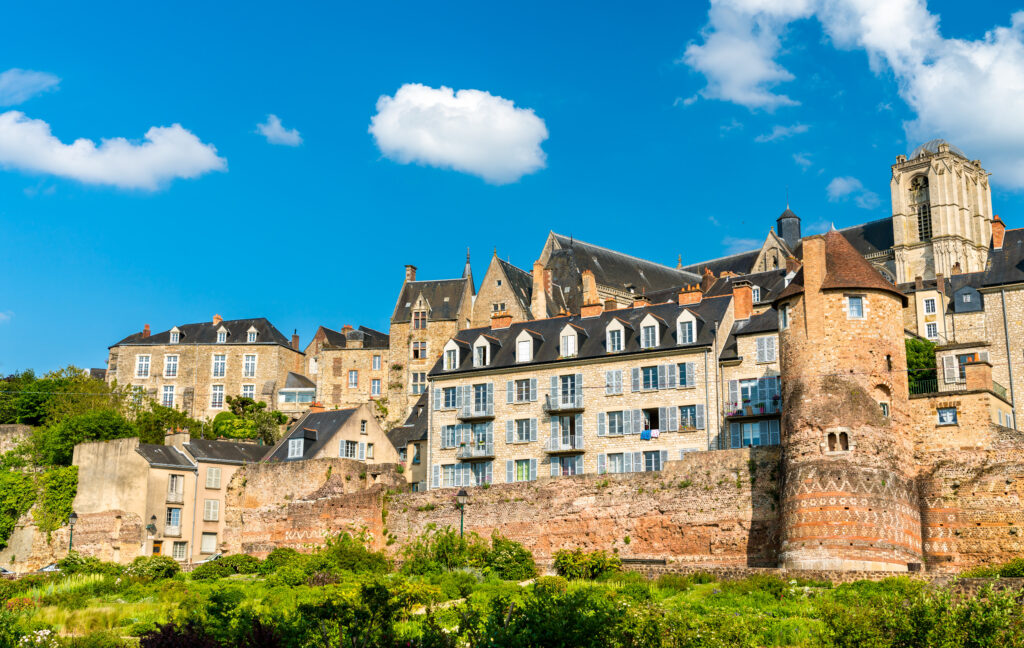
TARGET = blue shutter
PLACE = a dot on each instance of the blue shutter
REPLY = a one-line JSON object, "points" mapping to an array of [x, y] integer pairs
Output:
{"points": [[554, 390], [554, 466], [436, 477], [533, 390], [509, 392], [579, 390], [579, 464], [579, 428], [533, 429], [602, 424], [774, 431], [638, 462], [638, 421], [490, 398], [437, 399], [673, 419], [691, 374], [618, 381], [734, 395], [663, 418], [636, 379], [627, 421], [362, 451], [488, 472], [734, 429], [699, 416], [602, 462], [670, 377], [489, 431], [510, 471], [664, 458], [533, 470], [510, 431], [662, 377], [609, 382], [554, 430]]}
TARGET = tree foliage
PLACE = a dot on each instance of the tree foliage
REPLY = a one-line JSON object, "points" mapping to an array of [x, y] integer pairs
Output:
{"points": [[59, 441], [920, 359]]}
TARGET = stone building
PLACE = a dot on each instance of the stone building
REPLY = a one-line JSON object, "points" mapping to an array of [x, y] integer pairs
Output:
{"points": [[410, 439], [504, 289], [426, 315], [195, 367], [349, 367], [352, 433]]}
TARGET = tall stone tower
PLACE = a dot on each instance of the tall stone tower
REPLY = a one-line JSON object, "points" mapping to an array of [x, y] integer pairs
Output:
{"points": [[941, 212], [849, 500]]}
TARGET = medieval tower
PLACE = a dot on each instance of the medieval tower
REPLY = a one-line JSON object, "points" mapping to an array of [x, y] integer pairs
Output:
{"points": [[849, 500], [941, 212]]}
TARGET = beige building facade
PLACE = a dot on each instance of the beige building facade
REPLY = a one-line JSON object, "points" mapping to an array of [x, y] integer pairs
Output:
{"points": [[349, 367], [352, 433]]}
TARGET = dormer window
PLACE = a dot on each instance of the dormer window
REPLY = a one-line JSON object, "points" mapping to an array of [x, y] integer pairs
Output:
{"points": [[451, 360], [175, 335], [480, 356], [250, 335], [614, 340], [756, 293], [686, 328], [295, 448], [222, 335], [568, 347], [523, 351], [419, 320]]}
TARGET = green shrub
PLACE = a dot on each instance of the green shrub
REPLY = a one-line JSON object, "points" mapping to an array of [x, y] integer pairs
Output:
{"points": [[1011, 569], [674, 582], [350, 553], [577, 564], [211, 570], [76, 563], [278, 558], [458, 583], [241, 563], [147, 569], [550, 585], [509, 559], [440, 550]]}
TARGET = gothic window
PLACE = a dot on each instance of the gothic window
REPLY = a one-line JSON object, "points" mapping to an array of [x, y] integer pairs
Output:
{"points": [[921, 206]]}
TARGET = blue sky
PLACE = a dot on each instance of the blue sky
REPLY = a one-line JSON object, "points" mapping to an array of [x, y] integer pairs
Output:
{"points": [[647, 135]]}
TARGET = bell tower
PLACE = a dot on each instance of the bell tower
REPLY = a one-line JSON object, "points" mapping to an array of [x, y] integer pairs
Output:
{"points": [[941, 212]]}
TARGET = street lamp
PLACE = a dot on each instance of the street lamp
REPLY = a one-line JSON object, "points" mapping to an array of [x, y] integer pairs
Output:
{"points": [[461, 498], [151, 527], [71, 538]]}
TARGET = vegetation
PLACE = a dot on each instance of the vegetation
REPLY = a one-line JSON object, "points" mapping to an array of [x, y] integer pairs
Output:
{"points": [[920, 359], [576, 564]]}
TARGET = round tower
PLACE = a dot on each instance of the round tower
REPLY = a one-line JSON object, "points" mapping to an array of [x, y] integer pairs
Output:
{"points": [[849, 499]]}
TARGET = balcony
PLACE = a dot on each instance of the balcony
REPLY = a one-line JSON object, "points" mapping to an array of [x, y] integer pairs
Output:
{"points": [[475, 451], [564, 445], [172, 531], [175, 498], [753, 408], [476, 412], [563, 403]]}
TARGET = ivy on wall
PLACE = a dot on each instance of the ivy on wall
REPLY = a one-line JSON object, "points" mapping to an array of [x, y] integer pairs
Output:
{"points": [[52, 491], [17, 494]]}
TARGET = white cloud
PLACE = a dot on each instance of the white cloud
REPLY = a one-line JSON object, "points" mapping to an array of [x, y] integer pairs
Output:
{"points": [[803, 159], [782, 132], [846, 187], [731, 126], [735, 245], [276, 133], [168, 152], [471, 131], [970, 92], [18, 86], [5, 316], [688, 101]]}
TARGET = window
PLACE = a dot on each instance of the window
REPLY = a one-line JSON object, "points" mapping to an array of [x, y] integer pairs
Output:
{"points": [[947, 416], [929, 306], [375, 387], [403, 454], [522, 430], [450, 395], [499, 282], [498, 307], [480, 356], [921, 206], [175, 484], [480, 398], [784, 317], [348, 449], [688, 416], [249, 391], [222, 337], [209, 543], [755, 433], [616, 463], [451, 359], [568, 345], [967, 298], [171, 366], [419, 382], [614, 341], [249, 365], [652, 461], [685, 332], [211, 510], [448, 475], [522, 393], [652, 419], [567, 466], [175, 337], [216, 396], [766, 349], [220, 364], [854, 307], [613, 382], [419, 350], [650, 377], [687, 371], [931, 330], [481, 472], [649, 336], [295, 448], [615, 425], [523, 351], [376, 363], [353, 378], [569, 389], [419, 320], [755, 293], [449, 434], [250, 337], [962, 360], [142, 366], [167, 398], [173, 519], [885, 409], [362, 427], [416, 454], [522, 470], [180, 551], [213, 477], [369, 451]]}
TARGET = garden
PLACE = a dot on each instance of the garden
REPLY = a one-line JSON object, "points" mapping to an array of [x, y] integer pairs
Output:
{"points": [[449, 591]]}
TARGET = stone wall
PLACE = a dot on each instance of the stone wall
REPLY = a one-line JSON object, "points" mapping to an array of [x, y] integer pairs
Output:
{"points": [[111, 535], [12, 435]]}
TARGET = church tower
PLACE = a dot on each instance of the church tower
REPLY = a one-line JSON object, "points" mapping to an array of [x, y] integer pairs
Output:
{"points": [[849, 499], [941, 212]]}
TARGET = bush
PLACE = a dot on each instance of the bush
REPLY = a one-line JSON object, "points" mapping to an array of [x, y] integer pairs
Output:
{"points": [[509, 559], [577, 564], [769, 584], [457, 584], [211, 571], [278, 558], [675, 582], [441, 550], [173, 636], [351, 554], [550, 585], [59, 441], [76, 563], [241, 563], [153, 568], [1012, 569]]}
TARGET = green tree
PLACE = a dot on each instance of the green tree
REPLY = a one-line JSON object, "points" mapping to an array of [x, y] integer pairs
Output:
{"points": [[153, 424], [58, 441], [920, 359], [58, 395], [248, 419]]}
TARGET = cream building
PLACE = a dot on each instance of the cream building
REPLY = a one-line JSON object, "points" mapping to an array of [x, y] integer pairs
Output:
{"points": [[349, 367], [349, 433]]}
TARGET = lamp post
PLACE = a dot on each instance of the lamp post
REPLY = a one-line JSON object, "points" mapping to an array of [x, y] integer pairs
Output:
{"points": [[151, 528], [461, 498], [71, 537]]}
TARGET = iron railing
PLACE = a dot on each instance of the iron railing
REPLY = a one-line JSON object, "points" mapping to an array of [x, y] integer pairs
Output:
{"points": [[572, 443], [563, 403], [475, 451], [474, 411], [753, 408]]}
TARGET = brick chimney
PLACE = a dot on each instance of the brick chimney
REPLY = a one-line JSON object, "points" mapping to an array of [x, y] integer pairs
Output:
{"points": [[814, 276], [591, 310], [918, 283], [610, 305], [316, 407], [541, 286], [589, 288], [501, 320], [217, 319], [707, 280], [145, 331], [978, 375], [998, 232], [346, 329], [410, 273], [690, 295], [641, 301], [792, 264], [742, 299], [940, 283], [295, 340]]}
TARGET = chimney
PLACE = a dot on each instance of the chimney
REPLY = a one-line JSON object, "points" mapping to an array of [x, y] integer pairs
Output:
{"points": [[690, 295], [814, 276], [346, 329], [295, 339], [978, 375], [956, 269], [591, 310], [707, 280], [217, 319], [610, 304], [145, 331], [640, 302], [410, 273], [742, 299], [541, 282], [998, 232], [178, 438], [316, 407], [501, 320], [590, 288], [940, 283], [792, 264], [918, 283]]}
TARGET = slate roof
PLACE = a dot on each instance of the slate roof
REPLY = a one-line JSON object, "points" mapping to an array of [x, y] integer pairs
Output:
{"points": [[771, 284], [226, 452], [766, 322], [592, 344], [414, 428], [161, 456], [370, 338], [1006, 265], [443, 295], [740, 263], [298, 381], [206, 333], [520, 282], [317, 427], [619, 271]]}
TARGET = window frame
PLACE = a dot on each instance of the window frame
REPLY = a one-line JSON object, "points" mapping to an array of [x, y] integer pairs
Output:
{"points": [[219, 368], [171, 365], [140, 365], [861, 301], [353, 378], [247, 370], [216, 396], [646, 343], [375, 387], [251, 388], [955, 418], [296, 447], [168, 390]]}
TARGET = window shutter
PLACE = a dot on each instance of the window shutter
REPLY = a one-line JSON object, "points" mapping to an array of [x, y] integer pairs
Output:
{"points": [[609, 382], [664, 458], [579, 464], [627, 421], [602, 424], [579, 390], [435, 480], [638, 462], [662, 378], [437, 398], [734, 429], [691, 374], [533, 470], [949, 369], [554, 429], [734, 394], [663, 418], [490, 398], [362, 451], [773, 431], [699, 416], [489, 472], [602, 460], [636, 379], [771, 349], [458, 396], [638, 421], [618, 381], [510, 471], [533, 429], [554, 389], [673, 419], [983, 356], [760, 349], [533, 390], [670, 375], [510, 431], [509, 395], [554, 466], [579, 430]]}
